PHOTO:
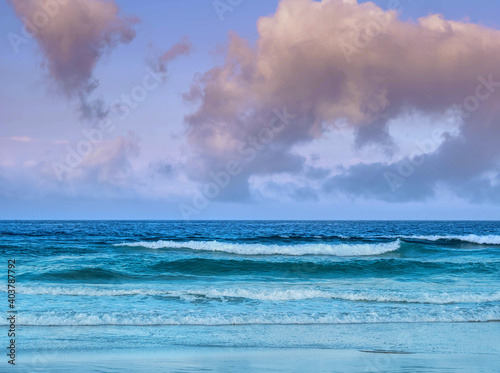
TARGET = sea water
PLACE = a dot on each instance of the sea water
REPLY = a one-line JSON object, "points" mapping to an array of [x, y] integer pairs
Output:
{"points": [[118, 285]]}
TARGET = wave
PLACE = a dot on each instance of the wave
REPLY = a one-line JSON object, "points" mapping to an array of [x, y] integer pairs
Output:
{"points": [[178, 269], [470, 238], [53, 318], [86, 274], [273, 294], [293, 237], [358, 268], [260, 249]]}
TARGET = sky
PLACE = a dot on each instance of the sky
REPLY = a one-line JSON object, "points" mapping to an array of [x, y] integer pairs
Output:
{"points": [[238, 109]]}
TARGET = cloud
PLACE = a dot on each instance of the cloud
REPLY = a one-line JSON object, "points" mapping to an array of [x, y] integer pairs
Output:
{"points": [[182, 48], [105, 169], [19, 138], [108, 164], [336, 60], [72, 38]]}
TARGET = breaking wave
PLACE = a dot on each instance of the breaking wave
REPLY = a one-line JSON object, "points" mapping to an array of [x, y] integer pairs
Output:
{"points": [[260, 249]]}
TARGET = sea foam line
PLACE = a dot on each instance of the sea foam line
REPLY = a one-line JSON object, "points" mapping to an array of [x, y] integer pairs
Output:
{"points": [[472, 238], [144, 319], [270, 294], [260, 249]]}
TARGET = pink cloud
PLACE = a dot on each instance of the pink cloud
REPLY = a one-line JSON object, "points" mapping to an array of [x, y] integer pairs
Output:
{"points": [[339, 60], [19, 138], [72, 40]]}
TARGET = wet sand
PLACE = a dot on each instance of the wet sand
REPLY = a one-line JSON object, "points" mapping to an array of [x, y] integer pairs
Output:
{"points": [[419, 347]]}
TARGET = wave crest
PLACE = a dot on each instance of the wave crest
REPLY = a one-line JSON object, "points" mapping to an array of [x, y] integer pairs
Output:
{"points": [[471, 238], [260, 249]]}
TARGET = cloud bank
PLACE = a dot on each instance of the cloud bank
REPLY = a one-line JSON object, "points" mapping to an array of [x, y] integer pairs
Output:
{"points": [[336, 61]]}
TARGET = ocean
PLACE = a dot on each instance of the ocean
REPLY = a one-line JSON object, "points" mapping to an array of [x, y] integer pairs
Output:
{"points": [[107, 290]]}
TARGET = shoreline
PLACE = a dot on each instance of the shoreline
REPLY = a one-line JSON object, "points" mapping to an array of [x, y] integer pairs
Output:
{"points": [[229, 359], [256, 348], [255, 324]]}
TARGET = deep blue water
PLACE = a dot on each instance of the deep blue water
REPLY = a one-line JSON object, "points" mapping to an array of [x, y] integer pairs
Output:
{"points": [[252, 272]]}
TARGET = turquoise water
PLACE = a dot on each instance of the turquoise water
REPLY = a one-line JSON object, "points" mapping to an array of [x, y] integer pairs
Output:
{"points": [[93, 279]]}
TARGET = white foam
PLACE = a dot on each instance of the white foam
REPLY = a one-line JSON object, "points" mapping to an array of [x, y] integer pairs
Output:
{"points": [[83, 291], [269, 294], [136, 319], [259, 249], [472, 238]]}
